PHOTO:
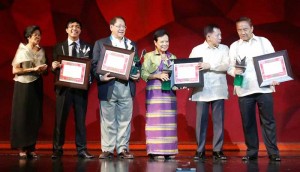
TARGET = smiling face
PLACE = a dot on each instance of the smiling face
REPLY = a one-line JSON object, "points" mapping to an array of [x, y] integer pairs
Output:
{"points": [[244, 30], [118, 29], [35, 38], [162, 44], [73, 30]]}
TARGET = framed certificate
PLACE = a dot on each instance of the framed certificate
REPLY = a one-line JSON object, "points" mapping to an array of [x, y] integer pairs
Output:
{"points": [[272, 67], [74, 72], [186, 73], [117, 61]]}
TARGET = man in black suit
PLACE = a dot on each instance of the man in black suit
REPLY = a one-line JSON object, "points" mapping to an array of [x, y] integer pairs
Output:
{"points": [[115, 96], [66, 97]]}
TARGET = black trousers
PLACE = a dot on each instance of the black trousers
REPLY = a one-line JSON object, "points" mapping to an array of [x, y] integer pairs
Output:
{"points": [[64, 100], [267, 122]]}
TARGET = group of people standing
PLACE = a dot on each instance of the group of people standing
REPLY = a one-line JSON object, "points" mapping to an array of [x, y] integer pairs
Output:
{"points": [[116, 95]]}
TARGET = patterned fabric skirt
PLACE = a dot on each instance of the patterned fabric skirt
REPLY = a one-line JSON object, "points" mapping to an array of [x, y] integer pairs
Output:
{"points": [[161, 120]]}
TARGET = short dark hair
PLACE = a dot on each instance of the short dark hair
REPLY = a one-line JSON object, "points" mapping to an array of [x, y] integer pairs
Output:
{"points": [[159, 33], [246, 19], [73, 20], [209, 29], [114, 20], [30, 29]]}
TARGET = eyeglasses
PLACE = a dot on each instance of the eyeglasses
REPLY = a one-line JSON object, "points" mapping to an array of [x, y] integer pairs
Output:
{"points": [[74, 26], [120, 26]]}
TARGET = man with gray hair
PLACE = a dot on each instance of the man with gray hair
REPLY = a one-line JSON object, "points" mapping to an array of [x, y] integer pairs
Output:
{"points": [[115, 96]]}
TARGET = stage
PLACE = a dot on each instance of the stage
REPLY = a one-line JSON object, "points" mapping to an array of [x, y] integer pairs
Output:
{"points": [[9, 161], [184, 20]]}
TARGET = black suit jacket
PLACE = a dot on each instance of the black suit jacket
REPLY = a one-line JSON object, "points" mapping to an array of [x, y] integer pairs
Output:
{"points": [[105, 89], [63, 49]]}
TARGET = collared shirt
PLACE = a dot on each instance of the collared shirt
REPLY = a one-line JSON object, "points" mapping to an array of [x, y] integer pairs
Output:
{"points": [[117, 43], [151, 63], [215, 83], [70, 42], [29, 59], [256, 46]]}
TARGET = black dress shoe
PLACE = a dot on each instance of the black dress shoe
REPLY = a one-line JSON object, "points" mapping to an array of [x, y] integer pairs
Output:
{"points": [[32, 155], [157, 157], [106, 155], [274, 157], [56, 154], [199, 156], [249, 158], [169, 157], [219, 155], [85, 155], [125, 154]]}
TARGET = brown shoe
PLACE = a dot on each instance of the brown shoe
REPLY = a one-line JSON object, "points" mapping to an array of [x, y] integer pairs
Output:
{"points": [[106, 155], [125, 155], [22, 155]]}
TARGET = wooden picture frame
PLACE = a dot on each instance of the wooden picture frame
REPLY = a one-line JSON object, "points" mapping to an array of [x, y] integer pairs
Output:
{"points": [[74, 72]]}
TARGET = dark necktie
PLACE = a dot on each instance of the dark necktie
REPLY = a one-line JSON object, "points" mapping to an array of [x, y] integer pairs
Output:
{"points": [[74, 53]]}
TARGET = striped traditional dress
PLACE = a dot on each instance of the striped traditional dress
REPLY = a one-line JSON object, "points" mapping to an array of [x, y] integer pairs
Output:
{"points": [[161, 119]]}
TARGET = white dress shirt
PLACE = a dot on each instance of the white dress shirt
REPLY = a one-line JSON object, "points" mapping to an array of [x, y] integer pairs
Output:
{"points": [[215, 83], [117, 43], [256, 46], [71, 46]]}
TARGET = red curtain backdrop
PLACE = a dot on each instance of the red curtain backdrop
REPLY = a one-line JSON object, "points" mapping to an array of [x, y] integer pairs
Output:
{"points": [[184, 20]]}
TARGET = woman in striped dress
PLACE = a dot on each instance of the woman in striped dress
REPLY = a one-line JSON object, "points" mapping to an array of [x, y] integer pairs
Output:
{"points": [[161, 114]]}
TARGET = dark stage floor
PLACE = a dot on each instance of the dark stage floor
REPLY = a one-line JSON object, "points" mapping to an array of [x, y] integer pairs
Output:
{"points": [[9, 161]]}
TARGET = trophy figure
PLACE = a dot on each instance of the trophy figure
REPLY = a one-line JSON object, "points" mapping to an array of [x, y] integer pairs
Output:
{"points": [[168, 67], [238, 79], [137, 63]]}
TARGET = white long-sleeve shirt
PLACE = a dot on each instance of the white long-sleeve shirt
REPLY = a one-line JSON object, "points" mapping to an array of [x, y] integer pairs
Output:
{"points": [[256, 46], [215, 83], [28, 59]]}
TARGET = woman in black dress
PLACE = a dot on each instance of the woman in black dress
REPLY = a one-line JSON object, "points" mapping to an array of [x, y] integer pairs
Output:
{"points": [[27, 106]]}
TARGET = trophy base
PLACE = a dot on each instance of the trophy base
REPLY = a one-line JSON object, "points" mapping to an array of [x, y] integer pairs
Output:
{"points": [[166, 85], [238, 80]]}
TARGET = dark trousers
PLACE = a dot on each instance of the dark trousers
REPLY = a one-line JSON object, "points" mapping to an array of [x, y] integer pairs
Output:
{"points": [[64, 101], [267, 122], [202, 122], [30, 148]]}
